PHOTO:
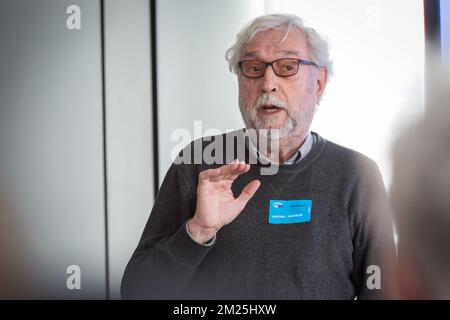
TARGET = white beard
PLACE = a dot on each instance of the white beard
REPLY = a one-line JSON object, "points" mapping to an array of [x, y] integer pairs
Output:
{"points": [[300, 119]]}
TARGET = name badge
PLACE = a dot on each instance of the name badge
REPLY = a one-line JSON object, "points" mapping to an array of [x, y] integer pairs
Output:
{"points": [[289, 211]]}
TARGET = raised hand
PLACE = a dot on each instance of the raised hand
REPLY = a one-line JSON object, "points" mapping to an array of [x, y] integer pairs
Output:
{"points": [[216, 205]]}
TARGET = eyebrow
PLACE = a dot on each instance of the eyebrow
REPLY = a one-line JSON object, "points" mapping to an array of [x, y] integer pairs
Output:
{"points": [[254, 54], [289, 52], [257, 53]]}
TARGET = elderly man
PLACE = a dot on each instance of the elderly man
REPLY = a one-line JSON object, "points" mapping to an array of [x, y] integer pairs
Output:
{"points": [[315, 229]]}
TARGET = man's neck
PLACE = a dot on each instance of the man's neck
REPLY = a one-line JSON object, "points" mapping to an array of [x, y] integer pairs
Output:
{"points": [[285, 148]]}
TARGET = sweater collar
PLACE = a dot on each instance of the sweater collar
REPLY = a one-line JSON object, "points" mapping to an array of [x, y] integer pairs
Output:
{"points": [[301, 153]]}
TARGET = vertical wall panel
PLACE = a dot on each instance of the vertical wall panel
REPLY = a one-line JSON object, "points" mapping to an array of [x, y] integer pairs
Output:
{"points": [[129, 129], [51, 147]]}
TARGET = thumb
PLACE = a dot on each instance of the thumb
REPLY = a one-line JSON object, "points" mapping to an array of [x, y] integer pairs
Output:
{"points": [[247, 193]]}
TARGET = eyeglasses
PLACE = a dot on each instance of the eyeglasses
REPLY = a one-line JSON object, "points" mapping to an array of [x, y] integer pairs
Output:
{"points": [[282, 67]]}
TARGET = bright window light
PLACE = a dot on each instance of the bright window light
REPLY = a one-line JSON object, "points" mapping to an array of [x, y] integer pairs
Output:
{"points": [[378, 52]]}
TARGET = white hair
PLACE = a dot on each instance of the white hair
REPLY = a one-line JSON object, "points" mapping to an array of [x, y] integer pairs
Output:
{"points": [[317, 42]]}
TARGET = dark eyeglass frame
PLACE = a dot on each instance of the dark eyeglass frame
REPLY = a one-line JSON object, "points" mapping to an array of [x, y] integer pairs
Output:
{"points": [[275, 69]]}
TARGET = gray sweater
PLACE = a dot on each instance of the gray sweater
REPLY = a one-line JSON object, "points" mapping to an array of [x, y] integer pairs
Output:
{"points": [[324, 258]]}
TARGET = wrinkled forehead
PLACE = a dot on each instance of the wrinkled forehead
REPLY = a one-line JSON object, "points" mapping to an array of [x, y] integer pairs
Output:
{"points": [[278, 42]]}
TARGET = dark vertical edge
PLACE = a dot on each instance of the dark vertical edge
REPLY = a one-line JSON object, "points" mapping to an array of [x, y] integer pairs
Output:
{"points": [[154, 94], [432, 42], [105, 162], [432, 24]]}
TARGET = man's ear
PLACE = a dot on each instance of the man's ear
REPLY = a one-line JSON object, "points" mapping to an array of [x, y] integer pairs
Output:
{"points": [[322, 78]]}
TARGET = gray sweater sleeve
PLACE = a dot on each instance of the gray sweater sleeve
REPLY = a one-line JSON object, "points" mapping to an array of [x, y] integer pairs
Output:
{"points": [[373, 242], [166, 257]]}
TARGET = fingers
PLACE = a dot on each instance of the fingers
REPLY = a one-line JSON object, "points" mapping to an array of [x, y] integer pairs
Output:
{"points": [[247, 193], [232, 170], [243, 168], [226, 172]]}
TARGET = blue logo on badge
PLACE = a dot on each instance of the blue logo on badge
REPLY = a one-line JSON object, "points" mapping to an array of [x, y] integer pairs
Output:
{"points": [[277, 205], [289, 211]]}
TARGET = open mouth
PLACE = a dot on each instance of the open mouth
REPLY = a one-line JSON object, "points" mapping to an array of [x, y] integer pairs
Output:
{"points": [[269, 109]]}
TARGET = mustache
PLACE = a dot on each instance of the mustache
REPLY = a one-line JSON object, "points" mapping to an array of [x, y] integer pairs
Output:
{"points": [[270, 100]]}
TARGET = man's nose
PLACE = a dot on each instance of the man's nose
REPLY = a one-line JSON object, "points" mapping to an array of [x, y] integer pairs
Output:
{"points": [[269, 81]]}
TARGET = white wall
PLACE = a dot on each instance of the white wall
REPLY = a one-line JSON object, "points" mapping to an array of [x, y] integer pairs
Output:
{"points": [[129, 130], [193, 78], [378, 52], [377, 46]]}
